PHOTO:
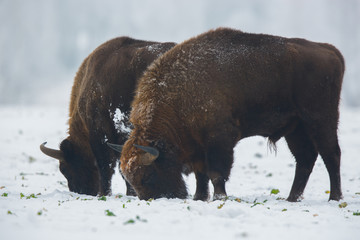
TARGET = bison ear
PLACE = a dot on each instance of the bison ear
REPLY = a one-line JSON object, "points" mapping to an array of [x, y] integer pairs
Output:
{"points": [[115, 147], [147, 159], [150, 155]]}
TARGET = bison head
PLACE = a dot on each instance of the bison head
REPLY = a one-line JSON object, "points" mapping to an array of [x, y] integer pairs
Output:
{"points": [[79, 169], [152, 173]]}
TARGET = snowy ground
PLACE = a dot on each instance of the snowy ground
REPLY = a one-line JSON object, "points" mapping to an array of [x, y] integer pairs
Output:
{"points": [[36, 204]]}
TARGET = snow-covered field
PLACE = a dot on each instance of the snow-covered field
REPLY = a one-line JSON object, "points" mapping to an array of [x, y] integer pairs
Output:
{"points": [[35, 202]]}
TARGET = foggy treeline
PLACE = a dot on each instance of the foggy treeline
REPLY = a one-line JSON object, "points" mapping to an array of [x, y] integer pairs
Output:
{"points": [[43, 42]]}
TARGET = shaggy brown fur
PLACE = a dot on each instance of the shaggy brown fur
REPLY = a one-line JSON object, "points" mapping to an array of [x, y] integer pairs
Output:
{"points": [[204, 95], [103, 88]]}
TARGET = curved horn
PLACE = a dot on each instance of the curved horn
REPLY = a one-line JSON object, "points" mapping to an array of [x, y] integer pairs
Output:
{"points": [[150, 156], [57, 154], [115, 147], [153, 151]]}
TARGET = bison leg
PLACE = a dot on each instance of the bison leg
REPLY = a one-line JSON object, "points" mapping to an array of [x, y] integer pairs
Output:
{"points": [[219, 188], [100, 128], [105, 163], [219, 165], [327, 142], [332, 162], [202, 187], [305, 153], [130, 191]]}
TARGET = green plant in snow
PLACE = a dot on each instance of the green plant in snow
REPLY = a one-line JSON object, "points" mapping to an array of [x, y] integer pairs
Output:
{"points": [[39, 213], [130, 221], [109, 213], [31, 196], [221, 205], [31, 159], [274, 191], [137, 219], [343, 205], [258, 203], [102, 198], [140, 219]]}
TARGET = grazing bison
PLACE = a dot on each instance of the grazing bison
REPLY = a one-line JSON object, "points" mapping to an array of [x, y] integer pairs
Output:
{"points": [[99, 111], [200, 98]]}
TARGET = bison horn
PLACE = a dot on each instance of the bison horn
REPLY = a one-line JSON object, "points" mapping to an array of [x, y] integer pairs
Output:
{"points": [[151, 150], [115, 147], [57, 154], [150, 156]]}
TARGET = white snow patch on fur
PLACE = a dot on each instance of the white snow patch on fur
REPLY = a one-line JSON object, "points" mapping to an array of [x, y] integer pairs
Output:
{"points": [[118, 118]]}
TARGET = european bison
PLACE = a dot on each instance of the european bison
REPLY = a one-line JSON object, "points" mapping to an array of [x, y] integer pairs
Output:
{"points": [[99, 111], [200, 98]]}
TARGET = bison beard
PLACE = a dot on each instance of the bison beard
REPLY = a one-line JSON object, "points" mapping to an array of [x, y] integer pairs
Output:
{"points": [[200, 98], [103, 87]]}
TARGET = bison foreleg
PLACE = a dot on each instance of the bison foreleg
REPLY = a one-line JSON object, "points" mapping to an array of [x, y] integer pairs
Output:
{"points": [[129, 189], [105, 161], [202, 187], [219, 163], [219, 188], [106, 167]]}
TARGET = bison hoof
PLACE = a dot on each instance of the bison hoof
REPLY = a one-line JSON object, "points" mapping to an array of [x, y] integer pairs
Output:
{"points": [[131, 192], [290, 199], [296, 198], [219, 196], [201, 197], [335, 197]]}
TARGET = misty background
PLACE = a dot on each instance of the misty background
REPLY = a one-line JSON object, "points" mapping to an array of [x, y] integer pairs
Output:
{"points": [[43, 42]]}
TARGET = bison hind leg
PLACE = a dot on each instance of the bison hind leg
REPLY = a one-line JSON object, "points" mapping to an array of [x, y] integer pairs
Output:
{"points": [[305, 153], [327, 143]]}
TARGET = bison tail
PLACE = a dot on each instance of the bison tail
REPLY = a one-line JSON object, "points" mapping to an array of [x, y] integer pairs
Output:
{"points": [[272, 143]]}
